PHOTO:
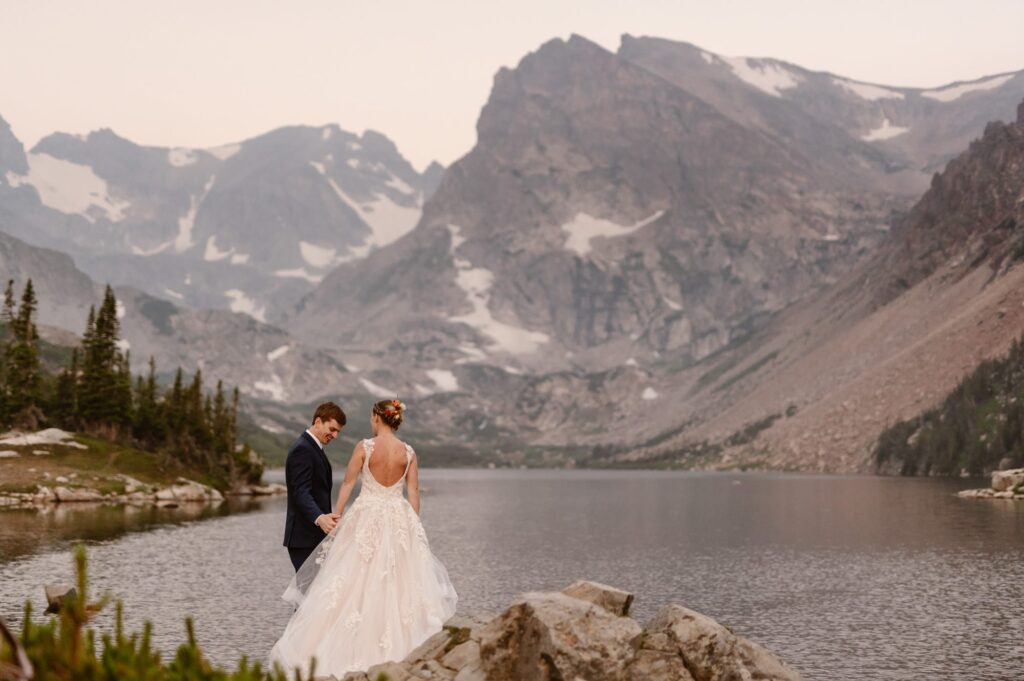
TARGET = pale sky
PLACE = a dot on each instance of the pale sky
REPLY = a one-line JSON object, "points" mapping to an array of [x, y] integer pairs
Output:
{"points": [[201, 73]]}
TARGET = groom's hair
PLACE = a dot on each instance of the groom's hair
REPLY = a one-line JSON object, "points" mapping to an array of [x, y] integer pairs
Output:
{"points": [[327, 411]]}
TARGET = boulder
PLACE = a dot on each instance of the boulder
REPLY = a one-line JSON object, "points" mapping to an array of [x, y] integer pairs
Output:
{"points": [[56, 594], [708, 650], [1007, 480], [554, 635], [581, 633], [611, 599], [45, 494], [188, 490], [65, 494]]}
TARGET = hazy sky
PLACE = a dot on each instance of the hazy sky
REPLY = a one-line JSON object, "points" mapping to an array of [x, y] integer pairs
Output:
{"points": [[201, 73]]}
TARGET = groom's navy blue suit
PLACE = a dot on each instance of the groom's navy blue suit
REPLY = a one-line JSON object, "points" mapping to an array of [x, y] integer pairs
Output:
{"points": [[307, 474]]}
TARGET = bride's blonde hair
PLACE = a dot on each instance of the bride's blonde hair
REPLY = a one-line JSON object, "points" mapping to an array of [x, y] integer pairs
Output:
{"points": [[391, 412]]}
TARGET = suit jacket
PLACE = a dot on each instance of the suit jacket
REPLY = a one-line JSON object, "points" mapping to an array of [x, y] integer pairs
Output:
{"points": [[307, 474]]}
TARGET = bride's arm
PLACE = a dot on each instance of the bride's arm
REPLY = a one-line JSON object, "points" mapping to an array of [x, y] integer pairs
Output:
{"points": [[412, 482], [355, 464]]}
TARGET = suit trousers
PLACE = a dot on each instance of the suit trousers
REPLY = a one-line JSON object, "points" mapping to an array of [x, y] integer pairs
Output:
{"points": [[299, 556]]}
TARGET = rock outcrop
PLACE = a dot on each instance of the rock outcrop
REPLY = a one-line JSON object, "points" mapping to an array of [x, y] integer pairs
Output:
{"points": [[1008, 484], [585, 635]]}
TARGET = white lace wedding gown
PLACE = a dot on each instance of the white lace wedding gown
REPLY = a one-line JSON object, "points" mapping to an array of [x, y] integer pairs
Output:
{"points": [[371, 592]]}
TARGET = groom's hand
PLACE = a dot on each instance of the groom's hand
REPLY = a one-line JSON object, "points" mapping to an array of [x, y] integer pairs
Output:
{"points": [[327, 521]]}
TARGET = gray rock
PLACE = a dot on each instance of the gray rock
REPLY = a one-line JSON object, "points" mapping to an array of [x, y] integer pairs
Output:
{"points": [[552, 635], [56, 594], [1008, 479], [708, 650], [65, 495], [611, 599]]}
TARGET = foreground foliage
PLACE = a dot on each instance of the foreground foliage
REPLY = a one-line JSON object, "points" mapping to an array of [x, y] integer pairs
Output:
{"points": [[67, 648], [978, 428]]}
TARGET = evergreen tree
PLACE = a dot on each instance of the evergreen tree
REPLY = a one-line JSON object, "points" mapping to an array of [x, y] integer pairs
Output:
{"points": [[101, 392], [149, 426], [23, 355], [65, 402]]}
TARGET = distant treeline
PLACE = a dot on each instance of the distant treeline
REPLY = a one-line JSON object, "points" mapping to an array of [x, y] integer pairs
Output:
{"points": [[95, 393], [979, 426]]}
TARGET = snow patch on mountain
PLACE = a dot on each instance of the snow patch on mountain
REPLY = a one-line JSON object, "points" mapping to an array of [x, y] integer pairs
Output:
{"points": [[375, 389], [583, 228], [476, 282], [274, 387], [69, 188], [401, 185], [186, 222], [179, 158], [445, 380], [872, 93], [277, 353], [212, 253], [387, 220], [298, 273], [764, 75], [317, 256], [649, 394], [954, 92], [244, 304], [886, 131], [224, 152], [146, 252]]}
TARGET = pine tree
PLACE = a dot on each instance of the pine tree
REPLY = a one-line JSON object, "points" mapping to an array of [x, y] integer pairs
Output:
{"points": [[149, 426], [101, 393], [23, 355], [65, 402]]}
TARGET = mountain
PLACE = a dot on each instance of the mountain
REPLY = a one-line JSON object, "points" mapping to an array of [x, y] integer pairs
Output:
{"points": [[624, 222], [248, 227], [655, 256], [268, 365], [913, 132], [818, 385]]}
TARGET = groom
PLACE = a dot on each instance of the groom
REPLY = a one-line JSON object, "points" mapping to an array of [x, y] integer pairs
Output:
{"points": [[307, 475]]}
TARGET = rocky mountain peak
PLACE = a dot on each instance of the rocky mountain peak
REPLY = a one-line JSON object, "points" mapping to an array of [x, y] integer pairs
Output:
{"points": [[971, 214], [12, 153]]}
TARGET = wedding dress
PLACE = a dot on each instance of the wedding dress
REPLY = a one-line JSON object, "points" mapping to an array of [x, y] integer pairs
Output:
{"points": [[371, 592]]}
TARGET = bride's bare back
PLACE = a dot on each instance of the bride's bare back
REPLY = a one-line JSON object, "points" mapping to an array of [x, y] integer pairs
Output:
{"points": [[389, 460]]}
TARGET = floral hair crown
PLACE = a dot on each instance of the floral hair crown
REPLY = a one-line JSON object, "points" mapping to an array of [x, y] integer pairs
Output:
{"points": [[394, 405]]}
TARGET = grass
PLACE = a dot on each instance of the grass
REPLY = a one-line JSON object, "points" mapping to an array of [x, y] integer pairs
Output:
{"points": [[99, 467]]}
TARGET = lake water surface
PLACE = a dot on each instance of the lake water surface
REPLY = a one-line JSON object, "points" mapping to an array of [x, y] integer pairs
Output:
{"points": [[844, 577]]}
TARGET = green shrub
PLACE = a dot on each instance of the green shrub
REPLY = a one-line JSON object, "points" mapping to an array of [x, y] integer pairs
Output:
{"points": [[67, 648]]}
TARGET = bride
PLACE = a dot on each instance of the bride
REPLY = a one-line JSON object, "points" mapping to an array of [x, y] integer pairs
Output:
{"points": [[372, 591]]}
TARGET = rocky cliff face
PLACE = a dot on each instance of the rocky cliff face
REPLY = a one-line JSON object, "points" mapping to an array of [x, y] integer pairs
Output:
{"points": [[891, 340], [605, 207]]}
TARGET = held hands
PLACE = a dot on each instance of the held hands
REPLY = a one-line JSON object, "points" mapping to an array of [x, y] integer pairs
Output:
{"points": [[327, 522]]}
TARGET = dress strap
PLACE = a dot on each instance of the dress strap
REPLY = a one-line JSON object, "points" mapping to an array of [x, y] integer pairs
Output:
{"points": [[408, 460], [368, 448]]}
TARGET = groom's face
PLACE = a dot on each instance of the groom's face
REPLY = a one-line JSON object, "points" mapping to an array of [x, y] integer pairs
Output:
{"points": [[326, 431]]}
